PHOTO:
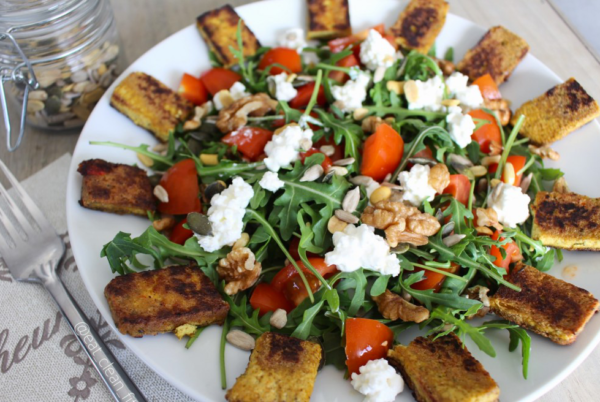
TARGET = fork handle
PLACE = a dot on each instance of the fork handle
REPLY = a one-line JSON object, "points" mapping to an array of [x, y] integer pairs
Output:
{"points": [[114, 376]]}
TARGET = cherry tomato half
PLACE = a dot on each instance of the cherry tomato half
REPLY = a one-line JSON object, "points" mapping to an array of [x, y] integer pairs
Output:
{"points": [[488, 87], [382, 153], [179, 234], [289, 282], [459, 187], [305, 92], [218, 78], [518, 162], [512, 253], [284, 56], [433, 280], [266, 298], [250, 141], [348, 61], [486, 133], [192, 89], [326, 164], [181, 183], [366, 340]]}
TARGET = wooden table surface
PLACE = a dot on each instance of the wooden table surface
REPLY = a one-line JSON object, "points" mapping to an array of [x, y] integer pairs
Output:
{"points": [[143, 23]]}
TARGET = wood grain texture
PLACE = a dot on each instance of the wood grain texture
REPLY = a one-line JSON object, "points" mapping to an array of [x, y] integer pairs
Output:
{"points": [[144, 23]]}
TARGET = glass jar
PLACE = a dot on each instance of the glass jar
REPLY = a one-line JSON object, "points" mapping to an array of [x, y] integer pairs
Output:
{"points": [[73, 47]]}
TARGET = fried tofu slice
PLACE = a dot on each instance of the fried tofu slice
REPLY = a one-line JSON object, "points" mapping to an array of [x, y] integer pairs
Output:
{"points": [[219, 28], [114, 187], [151, 104], [497, 54], [328, 19], [443, 370], [157, 301], [545, 305], [281, 368], [420, 23], [559, 111], [566, 220]]}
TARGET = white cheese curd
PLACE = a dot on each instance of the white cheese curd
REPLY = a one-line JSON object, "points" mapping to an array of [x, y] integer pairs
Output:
{"points": [[225, 215], [429, 95], [376, 51], [359, 247], [416, 185], [238, 91], [511, 205], [352, 94], [280, 88], [292, 38], [270, 181], [469, 95], [460, 127], [285, 147], [378, 381]]}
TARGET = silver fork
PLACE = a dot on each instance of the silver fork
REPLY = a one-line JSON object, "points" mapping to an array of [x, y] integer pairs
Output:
{"points": [[32, 250]]}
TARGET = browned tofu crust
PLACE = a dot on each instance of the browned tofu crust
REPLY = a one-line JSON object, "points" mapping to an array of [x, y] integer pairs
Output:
{"points": [[569, 221], [443, 370], [328, 19], [219, 27], [497, 54], [116, 188], [281, 368], [152, 302], [420, 23], [545, 305], [559, 111], [151, 104]]}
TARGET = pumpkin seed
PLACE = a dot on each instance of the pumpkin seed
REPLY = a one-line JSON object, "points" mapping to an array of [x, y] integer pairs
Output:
{"points": [[346, 216], [313, 173], [351, 200], [194, 145], [200, 135], [344, 162], [213, 189], [422, 161], [53, 105], [55, 91], [155, 179], [401, 248], [199, 224]]}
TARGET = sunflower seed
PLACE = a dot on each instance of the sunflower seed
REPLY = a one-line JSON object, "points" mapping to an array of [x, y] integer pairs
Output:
{"points": [[278, 319], [34, 106], [37, 95], [453, 239], [459, 163], [448, 228], [361, 180], [478, 171], [338, 170], [313, 173], [422, 161], [526, 182], [327, 149], [199, 224], [344, 162], [439, 215], [161, 193], [346, 216], [79, 76], [392, 185], [351, 200], [240, 339]]}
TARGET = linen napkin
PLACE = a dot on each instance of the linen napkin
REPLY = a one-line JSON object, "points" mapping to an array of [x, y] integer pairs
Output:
{"points": [[40, 359]]}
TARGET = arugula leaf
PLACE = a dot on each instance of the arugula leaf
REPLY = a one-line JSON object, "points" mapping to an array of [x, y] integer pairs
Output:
{"points": [[516, 334], [380, 285], [245, 317], [449, 55], [193, 338], [346, 130], [429, 297], [302, 331], [464, 328]]}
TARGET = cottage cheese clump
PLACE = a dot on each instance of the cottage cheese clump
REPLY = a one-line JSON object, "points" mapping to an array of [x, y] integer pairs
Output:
{"points": [[377, 52], [378, 381], [511, 205], [429, 95], [225, 215], [270, 181], [353, 93], [469, 95], [280, 88], [460, 126], [416, 185], [285, 147], [359, 247]]}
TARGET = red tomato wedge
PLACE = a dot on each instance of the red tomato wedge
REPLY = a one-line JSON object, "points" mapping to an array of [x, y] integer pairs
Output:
{"points": [[289, 282], [459, 187], [179, 234], [488, 87], [218, 78], [512, 253], [433, 280], [338, 150], [339, 44], [382, 153], [326, 164], [181, 183], [486, 133], [305, 92], [192, 89], [518, 163], [287, 57], [250, 141], [366, 340], [348, 61], [266, 298]]}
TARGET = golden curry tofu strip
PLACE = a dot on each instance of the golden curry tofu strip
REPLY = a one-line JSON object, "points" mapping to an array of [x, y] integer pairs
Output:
{"points": [[420, 23], [545, 305], [559, 111], [219, 27], [328, 19], [443, 370], [497, 54], [566, 220], [151, 104], [281, 368]]}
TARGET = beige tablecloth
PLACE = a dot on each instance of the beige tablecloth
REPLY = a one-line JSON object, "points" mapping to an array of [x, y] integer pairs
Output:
{"points": [[40, 359]]}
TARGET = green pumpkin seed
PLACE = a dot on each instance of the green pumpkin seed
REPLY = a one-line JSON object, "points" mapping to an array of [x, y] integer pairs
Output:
{"points": [[401, 248], [53, 105], [213, 189], [194, 146], [55, 91], [155, 179], [199, 224]]}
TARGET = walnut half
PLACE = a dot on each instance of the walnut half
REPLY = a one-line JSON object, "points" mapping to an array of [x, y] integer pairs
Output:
{"points": [[239, 269], [235, 116], [394, 307]]}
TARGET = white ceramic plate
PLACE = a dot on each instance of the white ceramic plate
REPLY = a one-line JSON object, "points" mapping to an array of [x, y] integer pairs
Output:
{"points": [[196, 371]]}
